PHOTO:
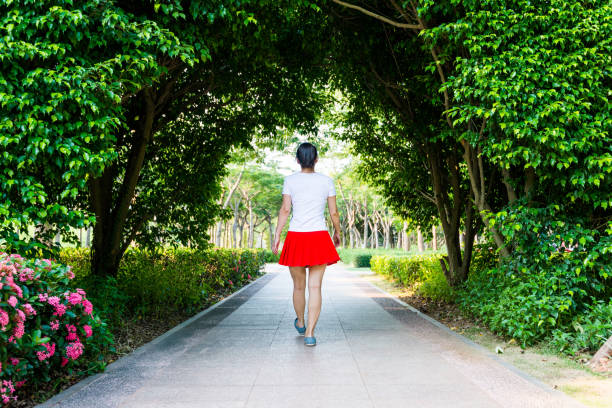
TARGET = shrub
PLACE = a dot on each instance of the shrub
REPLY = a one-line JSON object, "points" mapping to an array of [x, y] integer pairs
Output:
{"points": [[270, 257], [542, 288], [588, 331], [361, 258], [407, 270], [435, 285], [182, 279], [46, 326]]}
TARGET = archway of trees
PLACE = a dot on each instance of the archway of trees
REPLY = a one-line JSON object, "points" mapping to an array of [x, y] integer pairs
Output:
{"points": [[484, 117]]}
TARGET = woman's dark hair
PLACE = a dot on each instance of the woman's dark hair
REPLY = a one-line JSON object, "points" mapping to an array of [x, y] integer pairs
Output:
{"points": [[306, 154]]}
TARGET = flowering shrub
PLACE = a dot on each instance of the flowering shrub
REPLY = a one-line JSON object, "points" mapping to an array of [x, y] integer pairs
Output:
{"points": [[45, 325]]}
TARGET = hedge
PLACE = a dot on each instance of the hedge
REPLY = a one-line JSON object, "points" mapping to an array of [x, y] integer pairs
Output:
{"points": [[423, 270], [360, 258], [150, 283]]}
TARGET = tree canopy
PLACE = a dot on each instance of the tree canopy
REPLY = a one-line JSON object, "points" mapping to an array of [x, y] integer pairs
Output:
{"points": [[488, 117]]}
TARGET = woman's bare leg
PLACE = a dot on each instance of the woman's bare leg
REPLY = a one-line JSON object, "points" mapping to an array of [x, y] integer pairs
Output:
{"points": [[315, 277], [298, 273]]}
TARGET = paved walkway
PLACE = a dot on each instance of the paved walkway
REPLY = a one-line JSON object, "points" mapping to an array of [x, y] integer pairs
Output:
{"points": [[372, 352]]}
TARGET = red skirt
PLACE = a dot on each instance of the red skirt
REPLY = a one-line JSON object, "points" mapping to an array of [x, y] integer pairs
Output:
{"points": [[308, 248]]}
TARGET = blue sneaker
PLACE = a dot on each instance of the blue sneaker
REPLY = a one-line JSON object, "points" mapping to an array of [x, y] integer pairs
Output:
{"points": [[310, 341], [300, 330]]}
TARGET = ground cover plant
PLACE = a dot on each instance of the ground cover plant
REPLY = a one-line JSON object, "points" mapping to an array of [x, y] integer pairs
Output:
{"points": [[562, 307]]}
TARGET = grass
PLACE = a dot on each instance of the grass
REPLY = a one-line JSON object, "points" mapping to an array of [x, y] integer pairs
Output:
{"points": [[561, 372]]}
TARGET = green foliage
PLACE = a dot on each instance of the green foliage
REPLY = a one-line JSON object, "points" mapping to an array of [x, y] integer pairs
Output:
{"points": [[537, 75], [64, 67], [587, 332], [407, 270], [360, 257], [269, 256], [541, 290], [435, 285], [182, 279]]}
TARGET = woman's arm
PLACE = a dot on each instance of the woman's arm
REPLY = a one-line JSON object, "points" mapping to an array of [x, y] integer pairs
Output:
{"points": [[333, 212], [283, 214]]}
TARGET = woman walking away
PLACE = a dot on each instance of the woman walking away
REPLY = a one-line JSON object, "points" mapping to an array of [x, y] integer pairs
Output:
{"points": [[308, 244]]}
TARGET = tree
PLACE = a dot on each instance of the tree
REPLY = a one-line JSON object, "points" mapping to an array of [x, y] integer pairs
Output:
{"points": [[396, 129], [66, 68]]}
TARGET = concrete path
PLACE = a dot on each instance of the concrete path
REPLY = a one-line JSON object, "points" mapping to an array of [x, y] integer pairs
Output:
{"points": [[372, 352]]}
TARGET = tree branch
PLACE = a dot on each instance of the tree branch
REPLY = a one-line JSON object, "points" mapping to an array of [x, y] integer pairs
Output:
{"points": [[378, 17]]}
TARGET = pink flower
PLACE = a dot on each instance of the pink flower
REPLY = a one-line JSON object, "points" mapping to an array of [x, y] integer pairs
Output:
{"points": [[12, 301], [72, 337], [74, 298], [54, 324], [71, 328], [43, 297], [19, 330], [60, 310], [29, 310], [88, 331], [4, 319], [14, 361], [8, 385], [74, 350], [43, 355], [80, 292], [70, 274], [20, 384], [88, 306], [249, 276], [64, 361], [20, 316], [230, 282], [54, 301], [26, 275]]}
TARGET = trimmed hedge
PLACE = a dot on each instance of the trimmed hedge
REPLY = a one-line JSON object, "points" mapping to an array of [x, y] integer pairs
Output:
{"points": [[405, 269], [150, 283], [424, 271], [360, 258]]}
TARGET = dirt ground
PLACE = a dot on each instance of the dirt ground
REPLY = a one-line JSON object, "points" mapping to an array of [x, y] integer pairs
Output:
{"points": [[569, 375]]}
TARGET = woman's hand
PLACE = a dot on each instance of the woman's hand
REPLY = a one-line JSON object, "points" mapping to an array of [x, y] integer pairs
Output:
{"points": [[276, 244], [336, 238]]}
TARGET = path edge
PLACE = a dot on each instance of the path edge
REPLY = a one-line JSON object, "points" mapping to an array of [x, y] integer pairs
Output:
{"points": [[84, 383], [475, 345]]}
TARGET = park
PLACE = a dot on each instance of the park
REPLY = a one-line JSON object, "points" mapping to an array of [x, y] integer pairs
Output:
{"points": [[143, 148]]}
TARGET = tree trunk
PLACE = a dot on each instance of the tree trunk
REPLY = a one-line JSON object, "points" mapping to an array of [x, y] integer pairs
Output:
{"points": [[434, 238], [251, 227], [270, 233], [405, 238], [603, 354], [365, 222], [475, 166], [420, 240]]}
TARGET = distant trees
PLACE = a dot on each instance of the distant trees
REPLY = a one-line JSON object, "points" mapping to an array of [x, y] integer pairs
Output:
{"points": [[253, 194]]}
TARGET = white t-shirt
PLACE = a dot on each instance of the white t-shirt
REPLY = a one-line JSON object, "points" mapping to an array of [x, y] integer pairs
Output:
{"points": [[309, 192]]}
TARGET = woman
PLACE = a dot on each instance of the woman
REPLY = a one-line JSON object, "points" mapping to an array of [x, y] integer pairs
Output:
{"points": [[308, 244]]}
